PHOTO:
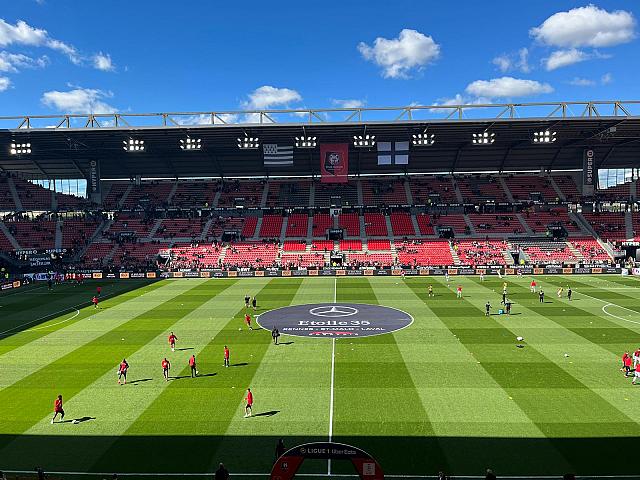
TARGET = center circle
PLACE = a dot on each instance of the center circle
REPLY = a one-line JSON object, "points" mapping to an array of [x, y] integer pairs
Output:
{"points": [[335, 320]]}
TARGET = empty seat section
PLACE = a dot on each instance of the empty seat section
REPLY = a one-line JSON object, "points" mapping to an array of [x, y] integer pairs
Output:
{"points": [[382, 192], [401, 224], [297, 225], [350, 222], [375, 225], [271, 226], [321, 223]]}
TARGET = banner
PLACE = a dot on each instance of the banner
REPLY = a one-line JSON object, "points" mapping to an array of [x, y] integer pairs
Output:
{"points": [[334, 162], [277, 155], [588, 172], [94, 176]]}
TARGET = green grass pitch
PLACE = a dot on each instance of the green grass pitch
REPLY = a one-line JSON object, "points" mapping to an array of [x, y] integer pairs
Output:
{"points": [[452, 392]]}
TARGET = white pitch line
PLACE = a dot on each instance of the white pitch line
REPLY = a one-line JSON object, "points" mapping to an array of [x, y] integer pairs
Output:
{"points": [[333, 373], [54, 324], [84, 304], [609, 304]]}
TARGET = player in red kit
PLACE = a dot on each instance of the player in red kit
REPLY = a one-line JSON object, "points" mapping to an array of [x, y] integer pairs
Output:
{"points": [[247, 320], [226, 356], [95, 301], [122, 372], [459, 291], [57, 409], [192, 365], [166, 366], [172, 342], [99, 291], [626, 359], [533, 286], [249, 406]]}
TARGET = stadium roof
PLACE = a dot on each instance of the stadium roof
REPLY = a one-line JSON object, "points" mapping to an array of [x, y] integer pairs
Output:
{"points": [[62, 146]]}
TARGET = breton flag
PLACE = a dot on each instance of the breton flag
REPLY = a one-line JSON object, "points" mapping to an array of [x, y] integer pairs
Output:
{"points": [[277, 155], [393, 153]]}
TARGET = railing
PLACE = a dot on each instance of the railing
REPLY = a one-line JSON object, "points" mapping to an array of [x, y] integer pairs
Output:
{"points": [[411, 113]]}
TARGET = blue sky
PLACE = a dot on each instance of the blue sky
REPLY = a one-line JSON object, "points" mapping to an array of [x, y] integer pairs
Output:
{"points": [[151, 56]]}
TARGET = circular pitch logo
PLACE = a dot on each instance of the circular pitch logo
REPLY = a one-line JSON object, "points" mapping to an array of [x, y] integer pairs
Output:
{"points": [[335, 320]]}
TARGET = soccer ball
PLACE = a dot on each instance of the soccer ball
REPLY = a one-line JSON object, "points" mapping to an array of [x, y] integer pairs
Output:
{"points": [[197, 372], [76, 422], [240, 329], [519, 339], [566, 355]]}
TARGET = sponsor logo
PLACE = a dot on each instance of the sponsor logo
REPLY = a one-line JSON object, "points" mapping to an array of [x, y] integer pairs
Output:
{"points": [[335, 320]]}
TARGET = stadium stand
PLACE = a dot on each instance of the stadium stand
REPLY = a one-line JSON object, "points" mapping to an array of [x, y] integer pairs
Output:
{"points": [[480, 189], [194, 194], [502, 223], [271, 226], [428, 190], [351, 224], [530, 188], [297, 225], [348, 193], [375, 224], [383, 192], [609, 226], [478, 252], [426, 253], [321, 223], [288, 194], [245, 193], [401, 224]]}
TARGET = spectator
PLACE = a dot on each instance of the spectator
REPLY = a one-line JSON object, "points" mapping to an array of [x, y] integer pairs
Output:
{"points": [[222, 473]]}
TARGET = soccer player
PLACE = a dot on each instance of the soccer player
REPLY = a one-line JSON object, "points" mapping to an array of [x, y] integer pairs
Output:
{"points": [[431, 290], [636, 374], [192, 365], [172, 341], [99, 291], [247, 320], [624, 357], [504, 297], [254, 303], [459, 291], [275, 334], [248, 408], [226, 356], [541, 295], [122, 372], [482, 275], [446, 276], [569, 292], [487, 309], [247, 298], [559, 292], [50, 284], [636, 357], [57, 409], [166, 366], [95, 301], [533, 286], [507, 305], [627, 363]]}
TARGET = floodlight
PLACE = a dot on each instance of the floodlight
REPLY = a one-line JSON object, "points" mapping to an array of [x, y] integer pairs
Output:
{"points": [[133, 145], [544, 136], [363, 141], [191, 144], [306, 142], [484, 138], [423, 139], [20, 148], [248, 143]]}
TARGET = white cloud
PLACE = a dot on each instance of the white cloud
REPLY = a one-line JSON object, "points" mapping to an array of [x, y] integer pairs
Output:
{"points": [[588, 26], [513, 61], [582, 82], [79, 100], [4, 83], [606, 79], [24, 34], [507, 87], [267, 97], [564, 58], [348, 103], [102, 61], [456, 100], [398, 57], [11, 62]]}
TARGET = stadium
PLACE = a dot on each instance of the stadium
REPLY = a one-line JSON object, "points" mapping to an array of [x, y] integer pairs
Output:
{"points": [[437, 291]]}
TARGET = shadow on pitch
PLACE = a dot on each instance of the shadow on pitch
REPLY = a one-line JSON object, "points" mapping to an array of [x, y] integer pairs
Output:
{"points": [[243, 364], [270, 413], [180, 377], [285, 343], [183, 349], [141, 380], [78, 420]]}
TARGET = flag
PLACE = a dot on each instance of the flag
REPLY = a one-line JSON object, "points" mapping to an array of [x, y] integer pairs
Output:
{"points": [[393, 153], [334, 162], [277, 155]]}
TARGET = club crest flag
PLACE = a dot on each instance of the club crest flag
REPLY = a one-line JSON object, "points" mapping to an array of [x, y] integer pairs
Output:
{"points": [[334, 162]]}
